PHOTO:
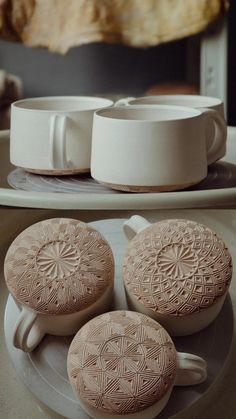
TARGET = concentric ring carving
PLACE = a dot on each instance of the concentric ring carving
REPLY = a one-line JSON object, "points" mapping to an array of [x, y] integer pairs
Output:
{"points": [[177, 267], [121, 362], [59, 266]]}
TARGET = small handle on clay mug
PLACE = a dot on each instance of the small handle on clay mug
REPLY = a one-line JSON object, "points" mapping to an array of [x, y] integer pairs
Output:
{"points": [[57, 142], [134, 225], [27, 334], [123, 102], [220, 134], [191, 369]]}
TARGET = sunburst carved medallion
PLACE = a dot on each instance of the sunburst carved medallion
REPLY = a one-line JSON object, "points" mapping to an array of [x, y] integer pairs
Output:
{"points": [[59, 266], [177, 267]]}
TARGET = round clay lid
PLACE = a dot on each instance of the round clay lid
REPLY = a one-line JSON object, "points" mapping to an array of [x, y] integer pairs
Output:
{"points": [[121, 362], [59, 266], [177, 267]]}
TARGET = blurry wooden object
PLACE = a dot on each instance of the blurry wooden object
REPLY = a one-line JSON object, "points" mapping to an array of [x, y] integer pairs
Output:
{"points": [[177, 88], [212, 65]]}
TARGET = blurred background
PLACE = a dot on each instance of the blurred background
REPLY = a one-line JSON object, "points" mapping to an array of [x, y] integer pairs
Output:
{"points": [[200, 63]]}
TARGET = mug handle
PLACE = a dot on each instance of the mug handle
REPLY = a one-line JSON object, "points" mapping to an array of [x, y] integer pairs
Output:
{"points": [[220, 134], [57, 142], [123, 102], [134, 225], [191, 369], [26, 335]]}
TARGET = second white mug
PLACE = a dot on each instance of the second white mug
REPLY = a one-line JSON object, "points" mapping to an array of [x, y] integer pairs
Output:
{"points": [[194, 101], [153, 148]]}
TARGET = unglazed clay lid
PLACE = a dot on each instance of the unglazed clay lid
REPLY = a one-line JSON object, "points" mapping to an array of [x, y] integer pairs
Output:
{"points": [[121, 362], [177, 267], [59, 266]]}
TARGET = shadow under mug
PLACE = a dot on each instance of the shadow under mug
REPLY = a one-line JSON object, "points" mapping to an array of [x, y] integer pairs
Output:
{"points": [[193, 101], [154, 148], [52, 135]]}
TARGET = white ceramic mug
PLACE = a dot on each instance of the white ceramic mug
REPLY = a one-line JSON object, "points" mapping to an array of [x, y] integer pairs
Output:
{"points": [[176, 271], [124, 364], [153, 148], [52, 135], [192, 101], [60, 273]]}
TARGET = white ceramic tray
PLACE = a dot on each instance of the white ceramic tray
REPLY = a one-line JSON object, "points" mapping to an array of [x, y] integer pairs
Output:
{"points": [[44, 370], [218, 190]]}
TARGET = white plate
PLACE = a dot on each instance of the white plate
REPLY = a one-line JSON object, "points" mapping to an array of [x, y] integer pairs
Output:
{"points": [[44, 370], [217, 191]]}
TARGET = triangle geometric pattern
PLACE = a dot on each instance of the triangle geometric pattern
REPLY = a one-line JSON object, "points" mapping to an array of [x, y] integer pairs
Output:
{"points": [[121, 362], [177, 267], [59, 266]]}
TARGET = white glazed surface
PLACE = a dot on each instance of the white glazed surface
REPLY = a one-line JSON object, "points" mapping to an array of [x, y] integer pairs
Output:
{"points": [[193, 101], [70, 119], [162, 146]]}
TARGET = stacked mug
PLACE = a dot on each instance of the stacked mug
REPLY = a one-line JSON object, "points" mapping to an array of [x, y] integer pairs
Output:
{"points": [[149, 144]]}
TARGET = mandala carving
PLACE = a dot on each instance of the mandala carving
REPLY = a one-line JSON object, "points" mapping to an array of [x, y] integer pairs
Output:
{"points": [[58, 259], [59, 266], [177, 261], [177, 267], [121, 362]]}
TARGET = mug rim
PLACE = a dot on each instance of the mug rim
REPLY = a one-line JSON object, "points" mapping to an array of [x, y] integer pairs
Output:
{"points": [[17, 104], [212, 101], [104, 113]]}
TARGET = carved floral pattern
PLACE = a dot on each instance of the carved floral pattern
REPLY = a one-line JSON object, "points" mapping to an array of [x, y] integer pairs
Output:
{"points": [[121, 362], [58, 259], [59, 266], [177, 267], [177, 261]]}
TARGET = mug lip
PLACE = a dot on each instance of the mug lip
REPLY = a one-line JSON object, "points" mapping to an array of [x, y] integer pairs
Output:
{"points": [[212, 101], [192, 113], [73, 98]]}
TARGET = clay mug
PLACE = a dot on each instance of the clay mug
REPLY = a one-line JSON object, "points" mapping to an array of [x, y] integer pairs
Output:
{"points": [[52, 135], [123, 364], [60, 273], [153, 148], [193, 101], [176, 271]]}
